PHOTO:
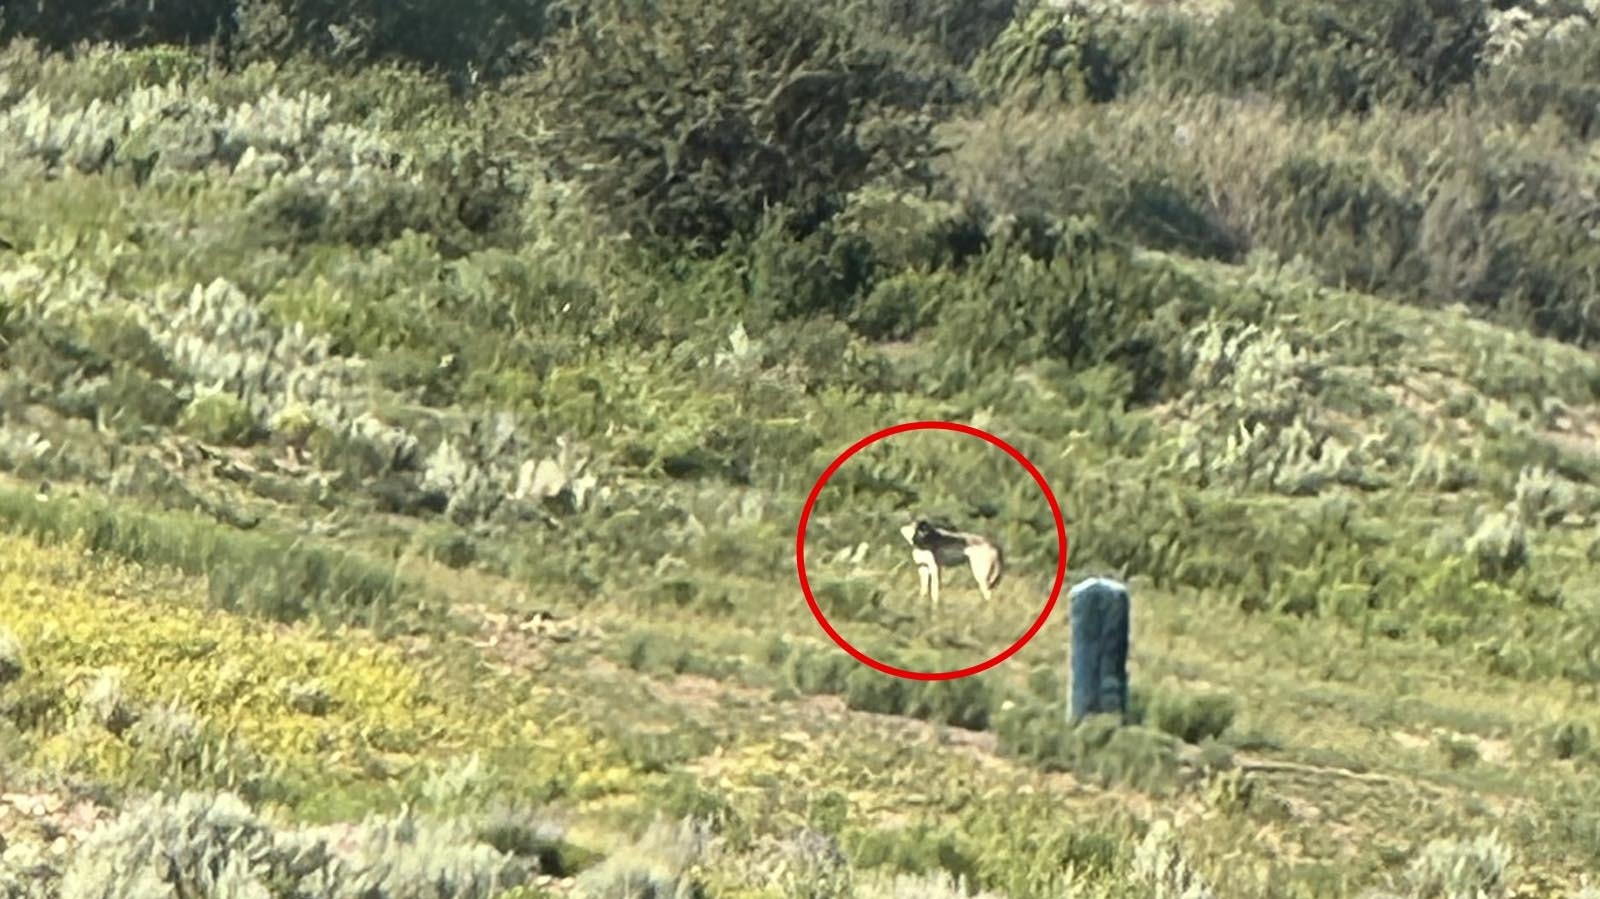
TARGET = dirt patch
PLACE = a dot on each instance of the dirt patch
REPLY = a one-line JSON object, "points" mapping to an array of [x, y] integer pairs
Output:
{"points": [[698, 690], [1427, 395], [1410, 741], [522, 642], [1573, 430], [1494, 751]]}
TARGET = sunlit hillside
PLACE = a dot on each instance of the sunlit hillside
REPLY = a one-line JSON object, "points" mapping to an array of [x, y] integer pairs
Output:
{"points": [[407, 411]]}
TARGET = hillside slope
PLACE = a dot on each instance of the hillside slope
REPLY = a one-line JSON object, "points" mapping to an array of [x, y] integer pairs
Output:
{"points": [[375, 457]]}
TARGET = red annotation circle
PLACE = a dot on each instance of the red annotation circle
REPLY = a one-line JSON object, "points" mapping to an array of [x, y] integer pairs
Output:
{"points": [[1055, 511]]}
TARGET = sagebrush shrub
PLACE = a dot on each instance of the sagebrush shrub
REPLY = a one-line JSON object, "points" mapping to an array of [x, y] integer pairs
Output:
{"points": [[807, 864], [661, 864], [107, 704], [12, 660], [214, 846], [1476, 868], [1544, 66], [1252, 418], [1542, 498], [1499, 546], [1159, 861]]}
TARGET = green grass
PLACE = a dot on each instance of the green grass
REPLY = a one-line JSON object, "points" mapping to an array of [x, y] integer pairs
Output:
{"points": [[413, 479], [276, 576]]}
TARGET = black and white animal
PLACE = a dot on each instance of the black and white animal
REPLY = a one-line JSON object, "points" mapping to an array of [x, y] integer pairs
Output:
{"points": [[934, 548]]}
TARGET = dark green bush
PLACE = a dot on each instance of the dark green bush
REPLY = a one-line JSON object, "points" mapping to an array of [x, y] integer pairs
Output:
{"points": [[687, 121], [892, 311], [1071, 294], [957, 29], [816, 274], [1339, 214], [816, 354], [529, 834], [920, 848], [218, 418], [493, 36], [824, 670], [129, 400], [1453, 241], [13, 661], [117, 336], [963, 702], [1331, 56], [1321, 57], [1190, 718], [450, 547], [1567, 740], [1045, 56], [1559, 79], [59, 24], [1099, 748], [907, 233], [1160, 212], [1545, 271]]}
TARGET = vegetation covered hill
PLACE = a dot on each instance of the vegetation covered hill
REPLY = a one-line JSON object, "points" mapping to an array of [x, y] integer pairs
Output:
{"points": [[406, 411]]}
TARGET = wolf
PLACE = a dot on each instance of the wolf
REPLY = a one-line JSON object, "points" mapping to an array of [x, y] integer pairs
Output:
{"points": [[934, 548]]}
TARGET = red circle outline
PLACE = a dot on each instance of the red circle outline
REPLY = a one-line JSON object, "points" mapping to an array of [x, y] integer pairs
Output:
{"points": [[811, 501]]}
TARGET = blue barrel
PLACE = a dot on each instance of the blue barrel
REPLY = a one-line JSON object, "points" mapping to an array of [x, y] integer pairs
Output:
{"points": [[1099, 648]]}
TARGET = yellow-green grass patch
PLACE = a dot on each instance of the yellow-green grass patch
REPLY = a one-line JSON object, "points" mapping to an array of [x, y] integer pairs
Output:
{"points": [[132, 685]]}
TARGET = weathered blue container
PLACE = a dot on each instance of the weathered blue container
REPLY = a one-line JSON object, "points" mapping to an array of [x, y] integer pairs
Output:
{"points": [[1099, 682]]}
